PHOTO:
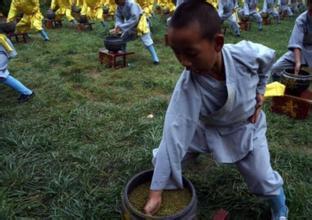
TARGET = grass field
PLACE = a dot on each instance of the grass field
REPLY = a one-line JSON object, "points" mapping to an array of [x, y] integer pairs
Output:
{"points": [[69, 152]]}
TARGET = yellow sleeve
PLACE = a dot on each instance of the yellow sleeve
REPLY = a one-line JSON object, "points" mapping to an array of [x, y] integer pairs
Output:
{"points": [[4, 43], [13, 12], [53, 4]]}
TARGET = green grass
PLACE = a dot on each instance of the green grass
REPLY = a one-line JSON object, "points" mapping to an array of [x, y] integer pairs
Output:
{"points": [[69, 152]]}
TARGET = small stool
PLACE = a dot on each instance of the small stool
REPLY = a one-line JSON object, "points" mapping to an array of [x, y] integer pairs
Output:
{"points": [[245, 25], [84, 27], [111, 58], [267, 21], [19, 37], [297, 107], [52, 23], [283, 15]]}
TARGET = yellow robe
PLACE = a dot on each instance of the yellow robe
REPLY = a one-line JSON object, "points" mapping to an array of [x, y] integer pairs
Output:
{"points": [[147, 6], [4, 43], [63, 9], [93, 9], [214, 3], [32, 17], [166, 5], [111, 5]]}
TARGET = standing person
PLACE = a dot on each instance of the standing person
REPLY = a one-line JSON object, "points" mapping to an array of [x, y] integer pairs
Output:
{"points": [[63, 8], [299, 46], [227, 12], [250, 10], [93, 9], [284, 7], [216, 107], [32, 17], [131, 21], [269, 7], [7, 51]]}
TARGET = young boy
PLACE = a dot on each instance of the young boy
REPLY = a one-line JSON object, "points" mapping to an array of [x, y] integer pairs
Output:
{"points": [[284, 7], [216, 107], [127, 18], [227, 12], [299, 46], [32, 17], [7, 51], [250, 9], [269, 7]]}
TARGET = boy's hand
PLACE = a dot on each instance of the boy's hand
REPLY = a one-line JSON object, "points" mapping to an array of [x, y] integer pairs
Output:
{"points": [[153, 203], [297, 68], [260, 100]]}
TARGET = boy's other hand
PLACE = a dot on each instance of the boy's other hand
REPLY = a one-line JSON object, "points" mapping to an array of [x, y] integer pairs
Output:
{"points": [[153, 203], [260, 100]]}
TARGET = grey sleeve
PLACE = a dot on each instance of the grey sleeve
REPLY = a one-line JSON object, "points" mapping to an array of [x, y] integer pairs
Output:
{"points": [[180, 125], [118, 18], [265, 59], [296, 38], [133, 20]]}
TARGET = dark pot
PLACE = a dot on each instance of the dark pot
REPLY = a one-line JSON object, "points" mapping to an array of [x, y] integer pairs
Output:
{"points": [[244, 18], [114, 43], [105, 10], [76, 9], [83, 19], [264, 15], [7, 27], [131, 213], [295, 84], [50, 14]]}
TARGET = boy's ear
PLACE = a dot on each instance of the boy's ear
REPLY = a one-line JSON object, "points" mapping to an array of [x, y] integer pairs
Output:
{"points": [[219, 42]]}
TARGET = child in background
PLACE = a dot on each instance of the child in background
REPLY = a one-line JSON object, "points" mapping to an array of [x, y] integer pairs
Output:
{"points": [[227, 12], [32, 17], [63, 8], [299, 46], [128, 17], [269, 7], [216, 107], [250, 10], [285, 8], [7, 51]]}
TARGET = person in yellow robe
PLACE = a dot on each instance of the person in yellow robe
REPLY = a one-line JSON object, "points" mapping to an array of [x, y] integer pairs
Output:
{"points": [[93, 9], [32, 17], [147, 7], [63, 8], [110, 4]]}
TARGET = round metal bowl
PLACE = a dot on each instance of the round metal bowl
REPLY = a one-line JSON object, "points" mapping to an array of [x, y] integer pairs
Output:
{"points": [[50, 14], [244, 18], [264, 15], [76, 9], [83, 19], [114, 43], [295, 84], [7, 27]]}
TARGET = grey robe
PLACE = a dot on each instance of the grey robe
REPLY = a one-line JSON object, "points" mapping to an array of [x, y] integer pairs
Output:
{"points": [[127, 18], [203, 120], [303, 26]]}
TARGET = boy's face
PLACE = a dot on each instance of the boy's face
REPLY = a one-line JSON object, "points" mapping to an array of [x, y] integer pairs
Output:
{"points": [[196, 53]]}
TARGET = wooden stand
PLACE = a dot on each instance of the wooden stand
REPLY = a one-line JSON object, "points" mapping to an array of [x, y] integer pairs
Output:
{"points": [[19, 37], [84, 27], [293, 106], [245, 25], [52, 23], [267, 21], [113, 59]]}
